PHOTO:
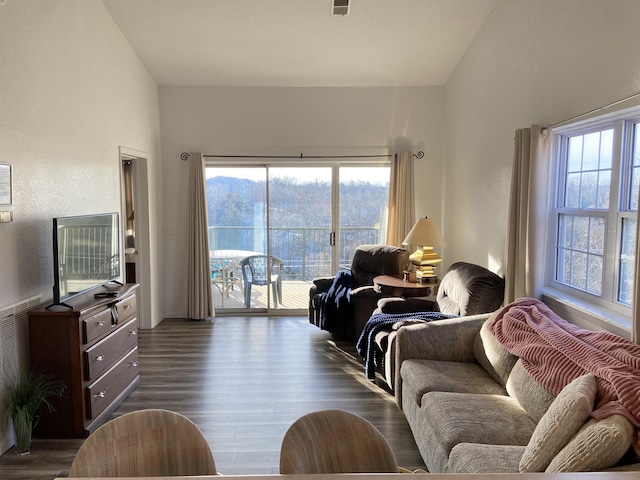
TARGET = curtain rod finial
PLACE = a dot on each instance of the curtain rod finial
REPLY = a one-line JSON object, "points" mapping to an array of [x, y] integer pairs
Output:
{"points": [[419, 154], [184, 156]]}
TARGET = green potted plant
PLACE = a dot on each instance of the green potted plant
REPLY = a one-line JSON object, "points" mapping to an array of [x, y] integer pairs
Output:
{"points": [[28, 392]]}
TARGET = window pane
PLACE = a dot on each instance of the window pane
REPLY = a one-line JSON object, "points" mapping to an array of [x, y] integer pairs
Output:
{"points": [[594, 274], [580, 236], [591, 151], [300, 221], [363, 208], [604, 189], [563, 274], [596, 235], [581, 252], [588, 171], [635, 189], [565, 231], [574, 162], [589, 190], [627, 261], [572, 190], [606, 149], [579, 270]]}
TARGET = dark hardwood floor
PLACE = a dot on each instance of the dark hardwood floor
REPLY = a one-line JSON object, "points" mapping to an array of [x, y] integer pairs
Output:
{"points": [[243, 381]]}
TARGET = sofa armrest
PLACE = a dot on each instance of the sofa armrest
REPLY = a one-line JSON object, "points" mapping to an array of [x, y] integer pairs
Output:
{"points": [[322, 284], [406, 305], [449, 340], [365, 291]]}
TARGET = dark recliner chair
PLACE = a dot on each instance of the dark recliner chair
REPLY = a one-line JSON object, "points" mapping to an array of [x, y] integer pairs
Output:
{"points": [[343, 304], [466, 289]]}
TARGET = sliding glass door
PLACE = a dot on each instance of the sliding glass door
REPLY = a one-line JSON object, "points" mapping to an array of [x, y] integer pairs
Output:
{"points": [[300, 226], [237, 216], [290, 224]]}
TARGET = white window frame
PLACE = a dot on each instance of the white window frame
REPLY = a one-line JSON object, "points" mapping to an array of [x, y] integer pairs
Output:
{"points": [[584, 308]]}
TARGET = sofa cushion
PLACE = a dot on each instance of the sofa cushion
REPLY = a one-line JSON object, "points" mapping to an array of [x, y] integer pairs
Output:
{"points": [[479, 458], [493, 357], [529, 393], [423, 376], [599, 444], [447, 419], [568, 412]]}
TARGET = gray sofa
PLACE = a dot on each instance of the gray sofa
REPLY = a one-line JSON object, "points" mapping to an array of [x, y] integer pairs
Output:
{"points": [[473, 408], [466, 289]]}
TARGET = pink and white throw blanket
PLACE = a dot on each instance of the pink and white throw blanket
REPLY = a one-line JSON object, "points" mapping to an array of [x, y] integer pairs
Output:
{"points": [[555, 352]]}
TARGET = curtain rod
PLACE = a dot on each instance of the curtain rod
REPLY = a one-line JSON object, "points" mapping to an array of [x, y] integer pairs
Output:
{"points": [[631, 97], [184, 156]]}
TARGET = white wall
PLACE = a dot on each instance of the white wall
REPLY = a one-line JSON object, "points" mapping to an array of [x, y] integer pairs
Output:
{"points": [[71, 92], [534, 61], [288, 121]]}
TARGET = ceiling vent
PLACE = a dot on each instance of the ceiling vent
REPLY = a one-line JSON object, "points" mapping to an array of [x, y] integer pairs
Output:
{"points": [[340, 7]]}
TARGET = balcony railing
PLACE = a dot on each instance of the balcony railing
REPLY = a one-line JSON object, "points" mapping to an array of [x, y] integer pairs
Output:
{"points": [[305, 251]]}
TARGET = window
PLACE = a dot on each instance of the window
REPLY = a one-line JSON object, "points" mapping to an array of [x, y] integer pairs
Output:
{"points": [[595, 214]]}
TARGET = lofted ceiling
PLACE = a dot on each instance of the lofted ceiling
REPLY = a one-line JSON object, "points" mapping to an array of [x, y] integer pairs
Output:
{"points": [[285, 43]]}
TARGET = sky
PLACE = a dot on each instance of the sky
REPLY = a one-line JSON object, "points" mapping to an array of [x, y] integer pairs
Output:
{"points": [[374, 175]]}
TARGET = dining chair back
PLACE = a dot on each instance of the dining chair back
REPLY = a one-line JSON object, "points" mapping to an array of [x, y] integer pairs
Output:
{"points": [[262, 270], [145, 443], [335, 441]]}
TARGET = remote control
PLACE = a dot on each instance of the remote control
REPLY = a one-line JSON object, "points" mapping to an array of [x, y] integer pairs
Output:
{"points": [[106, 294]]}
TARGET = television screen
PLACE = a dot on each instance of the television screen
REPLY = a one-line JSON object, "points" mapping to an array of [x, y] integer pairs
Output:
{"points": [[86, 253]]}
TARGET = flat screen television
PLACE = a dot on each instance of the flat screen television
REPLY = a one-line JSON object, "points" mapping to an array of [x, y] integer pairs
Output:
{"points": [[86, 253]]}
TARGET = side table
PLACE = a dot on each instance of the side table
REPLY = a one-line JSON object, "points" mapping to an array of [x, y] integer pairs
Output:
{"points": [[397, 287]]}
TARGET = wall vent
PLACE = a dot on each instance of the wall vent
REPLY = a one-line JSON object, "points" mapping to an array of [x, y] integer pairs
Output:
{"points": [[14, 354], [340, 7]]}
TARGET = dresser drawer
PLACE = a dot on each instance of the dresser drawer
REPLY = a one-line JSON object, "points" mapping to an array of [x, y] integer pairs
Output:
{"points": [[107, 351], [125, 309], [107, 388], [97, 325]]}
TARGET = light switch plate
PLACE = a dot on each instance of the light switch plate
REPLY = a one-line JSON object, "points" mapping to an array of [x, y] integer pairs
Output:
{"points": [[6, 217]]}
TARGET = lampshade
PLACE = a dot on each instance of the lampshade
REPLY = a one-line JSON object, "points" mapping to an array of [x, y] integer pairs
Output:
{"points": [[424, 233]]}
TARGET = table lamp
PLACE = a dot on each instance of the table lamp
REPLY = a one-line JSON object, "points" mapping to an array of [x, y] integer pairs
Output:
{"points": [[426, 235]]}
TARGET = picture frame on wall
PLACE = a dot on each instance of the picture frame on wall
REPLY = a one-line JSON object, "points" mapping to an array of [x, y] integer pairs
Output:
{"points": [[5, 184]]}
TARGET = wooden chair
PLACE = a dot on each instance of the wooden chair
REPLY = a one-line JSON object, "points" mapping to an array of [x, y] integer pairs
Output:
{"points": [[145, 443], [335, 441]]}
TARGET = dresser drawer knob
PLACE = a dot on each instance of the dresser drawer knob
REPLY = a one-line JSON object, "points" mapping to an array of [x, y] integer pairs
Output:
{"points": [[133, 332], [127, 306], [134, 364], [102, 323], [102, 394], [99, 358]]}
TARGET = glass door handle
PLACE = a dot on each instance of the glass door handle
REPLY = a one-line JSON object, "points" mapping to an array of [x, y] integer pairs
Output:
{"points": [[332, 239]]}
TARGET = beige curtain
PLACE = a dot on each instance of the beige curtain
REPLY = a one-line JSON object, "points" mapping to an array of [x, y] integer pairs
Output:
{"points": [[200, 298], [401, 199], [528, 213]]}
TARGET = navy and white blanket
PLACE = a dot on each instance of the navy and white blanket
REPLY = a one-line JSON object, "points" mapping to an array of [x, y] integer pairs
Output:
{"points": [[366, 345], [335, 303]]}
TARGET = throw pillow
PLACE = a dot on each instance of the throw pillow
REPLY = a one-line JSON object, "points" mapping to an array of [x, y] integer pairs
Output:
{"points": [[598, 445], [566, 414]]}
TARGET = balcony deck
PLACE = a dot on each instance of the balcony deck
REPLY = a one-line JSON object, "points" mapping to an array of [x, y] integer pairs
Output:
{"points": [[295, 296]]}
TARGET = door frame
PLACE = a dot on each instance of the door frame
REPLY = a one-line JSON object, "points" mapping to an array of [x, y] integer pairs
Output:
{"points": [[335, 165], [140, 183]]}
